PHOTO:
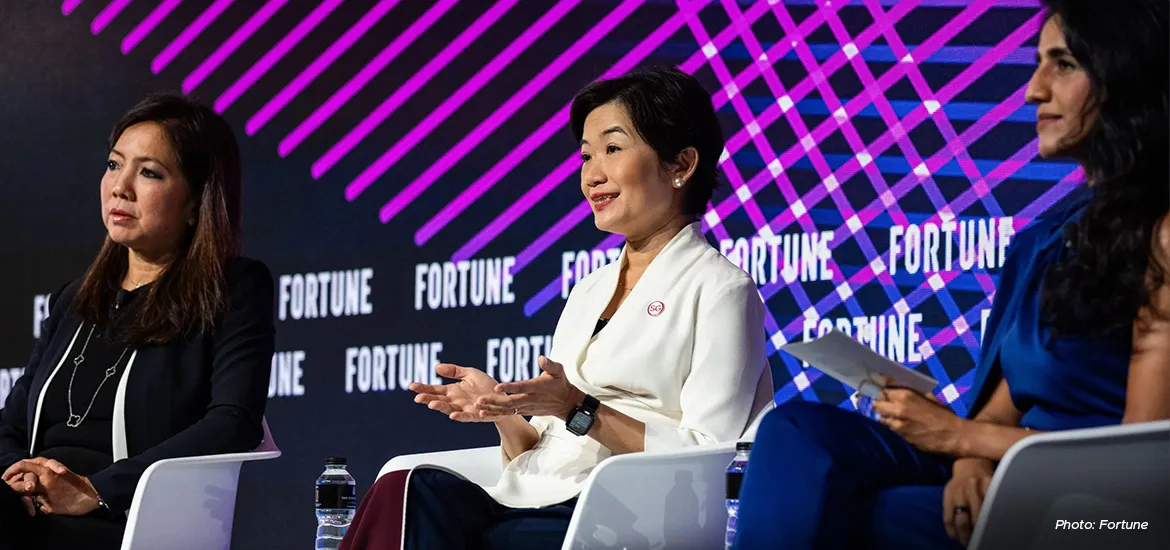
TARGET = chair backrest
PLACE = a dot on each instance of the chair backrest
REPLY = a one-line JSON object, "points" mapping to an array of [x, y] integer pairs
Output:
{"points": [[1116, 472], [267, 444], [750, 433]]}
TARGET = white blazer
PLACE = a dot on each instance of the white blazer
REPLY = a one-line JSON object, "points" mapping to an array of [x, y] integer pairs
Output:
{"points": [[685, 354]]}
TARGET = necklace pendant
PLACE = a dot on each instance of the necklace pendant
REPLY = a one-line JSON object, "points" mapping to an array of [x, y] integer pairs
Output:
{"points": [[77, 361], [111, 371], [74, 421]]}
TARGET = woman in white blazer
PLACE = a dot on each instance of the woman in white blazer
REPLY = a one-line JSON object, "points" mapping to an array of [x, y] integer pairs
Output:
{"points": [[661, 349]]}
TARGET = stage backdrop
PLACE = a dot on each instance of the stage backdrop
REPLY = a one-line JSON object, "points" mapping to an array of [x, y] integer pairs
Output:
{"points": [[412, 183]]}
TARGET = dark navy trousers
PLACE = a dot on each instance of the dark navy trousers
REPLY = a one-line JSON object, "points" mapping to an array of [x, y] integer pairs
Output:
{"points": [[825, 478], [448, 512]]}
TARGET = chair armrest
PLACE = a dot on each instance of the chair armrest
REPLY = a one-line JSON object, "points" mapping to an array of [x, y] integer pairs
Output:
{"points": [[673, 499], [187, 503], [1101, 472], [481, 465]]}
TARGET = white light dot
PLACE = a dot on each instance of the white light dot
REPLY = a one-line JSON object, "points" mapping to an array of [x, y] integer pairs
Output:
{"points": [[811, 313], [712, 218], [901, 307], [931, 106], [961, 326], [731, 90], [798, 209], [766, 232], [850, 50], [888, 198], [864, 158], [831, 183], [724, 156], [877, 266], [808, 142], [801, 381], [743, 193], [950, 393], [709, 50], [763, 58], [775, 168], [936, 282], [921, 170], [753, 128], [778, 340], [844, 291], [784, 102], [840, 114], [854, 223], [908, 59]]}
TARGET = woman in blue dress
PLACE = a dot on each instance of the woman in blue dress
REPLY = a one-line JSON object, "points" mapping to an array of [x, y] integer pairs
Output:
{"points": [[1079, 332]]}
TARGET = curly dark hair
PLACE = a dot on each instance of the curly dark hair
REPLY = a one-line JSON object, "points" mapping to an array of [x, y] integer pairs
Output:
{"points": [[671, 111], [1099, 290]]}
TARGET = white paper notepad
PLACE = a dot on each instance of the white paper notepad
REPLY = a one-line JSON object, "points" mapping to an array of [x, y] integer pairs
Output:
{"points": [[854, 364]]}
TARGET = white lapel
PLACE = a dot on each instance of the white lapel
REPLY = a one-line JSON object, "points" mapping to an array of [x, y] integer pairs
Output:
{"points": [[682, 250], [119, 419], [32, 440]]}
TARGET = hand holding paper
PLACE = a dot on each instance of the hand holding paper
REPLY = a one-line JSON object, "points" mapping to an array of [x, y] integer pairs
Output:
{"points": [[854, 364], [902, 396]]}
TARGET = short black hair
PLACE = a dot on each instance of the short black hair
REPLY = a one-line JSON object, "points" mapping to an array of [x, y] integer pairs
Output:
{"points": [[670, 111]]}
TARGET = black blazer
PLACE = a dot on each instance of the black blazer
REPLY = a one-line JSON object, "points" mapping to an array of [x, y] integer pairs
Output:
{"points": [[197, 395]]}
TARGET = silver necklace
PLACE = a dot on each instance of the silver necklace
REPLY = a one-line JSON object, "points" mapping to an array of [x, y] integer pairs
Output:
{"points": [[75, 420]]}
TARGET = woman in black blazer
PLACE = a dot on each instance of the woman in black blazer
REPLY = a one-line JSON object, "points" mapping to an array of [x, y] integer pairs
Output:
{"points": [[161, 350]]}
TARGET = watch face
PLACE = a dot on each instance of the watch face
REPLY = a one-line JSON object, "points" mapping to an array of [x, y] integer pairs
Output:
{"points": [[580, 422]]}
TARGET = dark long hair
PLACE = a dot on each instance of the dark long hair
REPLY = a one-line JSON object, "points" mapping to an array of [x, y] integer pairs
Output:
{"points": [[671, 111], [1100, 289], [191, 292]]}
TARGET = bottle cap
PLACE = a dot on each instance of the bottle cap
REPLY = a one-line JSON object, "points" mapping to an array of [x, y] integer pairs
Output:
{"points": [[743, 445], [335, 461]]}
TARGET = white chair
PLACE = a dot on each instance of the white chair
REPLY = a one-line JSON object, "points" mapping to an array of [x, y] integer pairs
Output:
{"points": [[633, 501], [1111, 473], [189, 503]]}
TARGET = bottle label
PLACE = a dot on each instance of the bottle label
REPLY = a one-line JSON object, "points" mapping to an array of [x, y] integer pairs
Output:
{"points": [[734, 481], [336, 496]]}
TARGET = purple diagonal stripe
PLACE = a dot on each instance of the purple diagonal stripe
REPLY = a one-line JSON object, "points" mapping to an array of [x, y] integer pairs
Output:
{"points": [[501, 168], [322, 62], [68, 6], [502, 114], [404, 92], [147, 25], [722, 39], [233, 42], [188, 35], [275, 54], [959, 82], [455, 100], [107, 14]]}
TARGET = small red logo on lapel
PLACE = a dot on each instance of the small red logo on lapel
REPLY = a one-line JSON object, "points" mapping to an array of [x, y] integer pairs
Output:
{"points": [[655, 308]]}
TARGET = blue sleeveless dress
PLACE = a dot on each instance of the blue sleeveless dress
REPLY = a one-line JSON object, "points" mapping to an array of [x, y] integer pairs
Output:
{"points": [[1059, 383], [826, 478]]}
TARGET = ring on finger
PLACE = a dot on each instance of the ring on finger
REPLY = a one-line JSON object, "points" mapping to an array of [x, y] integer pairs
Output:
{"points": [[961, 510]]}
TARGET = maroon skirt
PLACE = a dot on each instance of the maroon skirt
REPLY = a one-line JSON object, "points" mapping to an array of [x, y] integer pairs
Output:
{"points": [[377, 524]]}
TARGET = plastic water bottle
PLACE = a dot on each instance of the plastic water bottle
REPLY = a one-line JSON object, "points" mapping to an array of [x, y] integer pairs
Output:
{"points": [[734, 481], [336, 503]]}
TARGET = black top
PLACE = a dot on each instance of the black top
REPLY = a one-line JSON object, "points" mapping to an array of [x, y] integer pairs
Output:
{"points": [[202, 393], [88, 447]]}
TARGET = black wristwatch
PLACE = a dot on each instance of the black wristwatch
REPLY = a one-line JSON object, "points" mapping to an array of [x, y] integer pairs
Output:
{"points": [[583, 416]]}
